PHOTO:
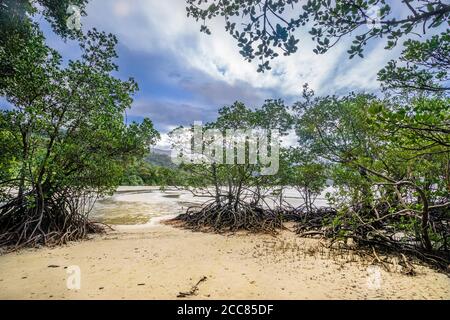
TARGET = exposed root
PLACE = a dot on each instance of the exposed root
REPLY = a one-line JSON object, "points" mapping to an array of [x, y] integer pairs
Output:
{"points": [[315, 223], [218, 217], [369, 236], [32, 220]]}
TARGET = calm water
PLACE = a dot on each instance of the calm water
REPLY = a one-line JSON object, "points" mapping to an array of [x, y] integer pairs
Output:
{"points": [[138, 205]]}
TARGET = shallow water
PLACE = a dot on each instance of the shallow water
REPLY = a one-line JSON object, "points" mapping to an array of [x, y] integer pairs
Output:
{"points": [[138, 205], [129, 205]]}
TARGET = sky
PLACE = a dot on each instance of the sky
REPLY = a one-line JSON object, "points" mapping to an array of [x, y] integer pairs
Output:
{"points": [[186, 76]]}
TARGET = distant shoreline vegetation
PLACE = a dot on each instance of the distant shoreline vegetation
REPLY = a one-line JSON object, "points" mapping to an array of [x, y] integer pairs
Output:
{"points": [[156, 169]]}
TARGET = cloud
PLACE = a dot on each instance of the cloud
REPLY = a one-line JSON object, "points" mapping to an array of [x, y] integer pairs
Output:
{"points": [[163, 27], [165, 114], [185, 75], [216, 92]]}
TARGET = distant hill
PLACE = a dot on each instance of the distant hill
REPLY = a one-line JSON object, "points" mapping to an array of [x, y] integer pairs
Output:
{"points": [[160, 158], [161, 151]]}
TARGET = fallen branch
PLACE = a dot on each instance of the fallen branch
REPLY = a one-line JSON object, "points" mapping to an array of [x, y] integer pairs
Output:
{"points": [[193, 290]]}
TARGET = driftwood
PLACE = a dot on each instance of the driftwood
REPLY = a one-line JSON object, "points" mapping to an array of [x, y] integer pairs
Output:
{"points": [[193, 290]]}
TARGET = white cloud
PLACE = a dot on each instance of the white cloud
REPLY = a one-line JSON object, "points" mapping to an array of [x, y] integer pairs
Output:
{"points": [[163, 26], [164, 142]]}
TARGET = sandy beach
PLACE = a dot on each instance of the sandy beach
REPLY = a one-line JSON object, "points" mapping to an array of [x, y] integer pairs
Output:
{"points": [[158, 261], [188, 150]]}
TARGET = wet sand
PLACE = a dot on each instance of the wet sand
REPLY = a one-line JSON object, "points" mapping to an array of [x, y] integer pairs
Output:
{"points": [[156, 261]]}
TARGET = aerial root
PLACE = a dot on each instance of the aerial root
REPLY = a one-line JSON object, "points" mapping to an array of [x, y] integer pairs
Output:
{"points": [[25, 222], [219, 217]]}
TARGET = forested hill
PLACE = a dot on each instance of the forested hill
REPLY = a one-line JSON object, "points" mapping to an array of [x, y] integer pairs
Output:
{"points": [[156, 169], [160, 158]]}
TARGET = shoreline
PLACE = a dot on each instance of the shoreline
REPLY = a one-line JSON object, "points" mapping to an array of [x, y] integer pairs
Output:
{"points": [[159, 261]]}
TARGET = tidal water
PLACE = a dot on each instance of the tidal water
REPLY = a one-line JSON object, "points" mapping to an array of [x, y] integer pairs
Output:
{"points": [[139, 205]]}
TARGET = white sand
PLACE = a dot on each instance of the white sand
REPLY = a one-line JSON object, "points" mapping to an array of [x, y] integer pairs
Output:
{"points": [[159, 261]]}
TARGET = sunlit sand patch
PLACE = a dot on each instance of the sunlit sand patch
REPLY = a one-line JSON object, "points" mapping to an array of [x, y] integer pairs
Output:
{"points": [[126, 219]]}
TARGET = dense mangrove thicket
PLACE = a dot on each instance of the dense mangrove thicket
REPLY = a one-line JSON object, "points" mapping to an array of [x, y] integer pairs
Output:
{"points": [[388, 157], [392, 182], [389, 161], [63, 138]]}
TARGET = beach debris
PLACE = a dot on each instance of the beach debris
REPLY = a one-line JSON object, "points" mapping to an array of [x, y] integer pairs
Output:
{"points": [[193, 290], [53, 266]]}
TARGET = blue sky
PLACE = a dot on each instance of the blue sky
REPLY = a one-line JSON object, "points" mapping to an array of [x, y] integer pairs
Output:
{"points": [[185, 75]]}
